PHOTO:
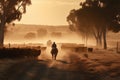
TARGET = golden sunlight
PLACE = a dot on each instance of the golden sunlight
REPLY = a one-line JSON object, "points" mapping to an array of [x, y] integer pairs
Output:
{"points": [[49, 12]]}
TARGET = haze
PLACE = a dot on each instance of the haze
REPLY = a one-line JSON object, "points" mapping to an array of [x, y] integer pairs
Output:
{"points": [[49, 12]]}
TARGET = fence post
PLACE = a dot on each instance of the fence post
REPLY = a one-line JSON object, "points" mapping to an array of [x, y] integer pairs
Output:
{"points": [[117, 47]]}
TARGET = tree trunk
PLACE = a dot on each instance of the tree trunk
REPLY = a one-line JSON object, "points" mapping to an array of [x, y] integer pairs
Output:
{"points": [[1, 35], [104, 38], [86, 38], [98, 42], [2, 25], [98, 36]]}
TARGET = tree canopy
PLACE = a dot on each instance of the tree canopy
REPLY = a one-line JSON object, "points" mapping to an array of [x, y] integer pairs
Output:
{"points": [[12, 9], [96, 17]]}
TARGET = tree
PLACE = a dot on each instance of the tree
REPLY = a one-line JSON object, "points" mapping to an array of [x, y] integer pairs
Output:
{"points": [[30, 35], [41, 32], [11, 10], [97, 16], [82, 21]]}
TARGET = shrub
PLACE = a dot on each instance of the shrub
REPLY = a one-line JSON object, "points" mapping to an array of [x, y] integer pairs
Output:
{"points": [[19, 53], [41, 32], [30, 35]]}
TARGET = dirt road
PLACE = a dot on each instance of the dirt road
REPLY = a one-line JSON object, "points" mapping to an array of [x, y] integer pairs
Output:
{"points": [[41, 70], [60, 69]]}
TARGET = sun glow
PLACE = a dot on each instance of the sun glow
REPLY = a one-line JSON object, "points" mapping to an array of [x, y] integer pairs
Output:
{"points": [[49, 12]]}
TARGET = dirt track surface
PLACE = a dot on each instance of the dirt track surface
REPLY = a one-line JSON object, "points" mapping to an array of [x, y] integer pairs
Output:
{"points": [[61, 69], [41, 70]]}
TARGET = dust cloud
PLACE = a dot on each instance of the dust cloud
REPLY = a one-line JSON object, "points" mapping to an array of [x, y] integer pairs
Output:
{"points": [[76, 64], [40, 34]]}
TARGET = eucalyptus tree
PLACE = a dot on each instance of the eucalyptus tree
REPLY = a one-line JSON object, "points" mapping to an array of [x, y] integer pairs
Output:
{"points": [[97, 17], [11, 10]]}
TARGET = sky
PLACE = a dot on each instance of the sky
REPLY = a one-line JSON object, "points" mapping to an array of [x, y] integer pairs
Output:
{"points": [[49, 12]]}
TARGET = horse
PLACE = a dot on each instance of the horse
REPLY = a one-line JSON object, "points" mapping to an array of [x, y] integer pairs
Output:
{"points": [[54, 53]]}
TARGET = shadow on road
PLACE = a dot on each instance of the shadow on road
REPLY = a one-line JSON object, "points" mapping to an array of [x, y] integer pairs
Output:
{"points": [[40, 70], [65, 62]]}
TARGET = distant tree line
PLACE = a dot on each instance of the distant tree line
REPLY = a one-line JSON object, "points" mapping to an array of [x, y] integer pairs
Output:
{"points": [[42, 33], [96, 17]]}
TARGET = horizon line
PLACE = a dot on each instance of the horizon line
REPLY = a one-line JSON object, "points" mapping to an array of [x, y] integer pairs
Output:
{"points": [[41, 24]]}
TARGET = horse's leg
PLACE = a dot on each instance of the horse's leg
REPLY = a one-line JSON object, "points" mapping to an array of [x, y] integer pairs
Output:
{"points": [[55, 56], [52, 56]]}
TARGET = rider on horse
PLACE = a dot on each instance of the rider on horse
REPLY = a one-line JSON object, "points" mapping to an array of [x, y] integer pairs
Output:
{"points": [[54, 45], [54, 51]]}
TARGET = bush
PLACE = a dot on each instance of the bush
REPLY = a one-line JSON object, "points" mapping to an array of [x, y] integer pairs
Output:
{"points": [[90, 49], [19, 53], [30, 35], [56, 34], [41, 32]]}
